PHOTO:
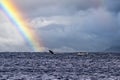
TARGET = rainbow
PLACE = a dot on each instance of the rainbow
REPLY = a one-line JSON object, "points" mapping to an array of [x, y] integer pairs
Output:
{"points": [[13, 14]]}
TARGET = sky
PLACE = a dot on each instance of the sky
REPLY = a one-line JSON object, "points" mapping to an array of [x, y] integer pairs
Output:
{"points": [[65, 25]]}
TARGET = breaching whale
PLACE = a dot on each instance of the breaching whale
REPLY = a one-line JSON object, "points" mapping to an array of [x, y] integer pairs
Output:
{"points": [[50, 51]]}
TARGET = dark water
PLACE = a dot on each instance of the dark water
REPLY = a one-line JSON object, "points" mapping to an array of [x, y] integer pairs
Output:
{"points": [[44, 66]]}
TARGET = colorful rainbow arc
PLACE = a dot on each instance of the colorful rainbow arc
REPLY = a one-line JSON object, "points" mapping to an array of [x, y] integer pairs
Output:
{"points": [[21, 25]]}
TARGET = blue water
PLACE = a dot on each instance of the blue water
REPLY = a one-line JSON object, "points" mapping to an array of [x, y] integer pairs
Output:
{"points": [[62, 66]]}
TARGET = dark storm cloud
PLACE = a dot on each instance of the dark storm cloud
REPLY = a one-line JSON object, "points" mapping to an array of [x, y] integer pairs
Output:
{"points": [[95, 31], [112, 5]]}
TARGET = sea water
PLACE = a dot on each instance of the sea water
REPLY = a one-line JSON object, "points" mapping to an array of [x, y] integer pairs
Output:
{"points": [[59, 66]]}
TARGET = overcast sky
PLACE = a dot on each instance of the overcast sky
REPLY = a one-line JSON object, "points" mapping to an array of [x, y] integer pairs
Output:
{"points": [[66, 25]]}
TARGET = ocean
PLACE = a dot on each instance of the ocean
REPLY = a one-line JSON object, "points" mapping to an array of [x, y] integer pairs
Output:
{"points": [[60, 66]]}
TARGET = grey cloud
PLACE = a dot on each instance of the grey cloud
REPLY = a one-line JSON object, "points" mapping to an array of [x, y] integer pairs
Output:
{"points": [[86, 25], [10, 38], [55, 7], [14, 48], [64, 7], [95, 31], [112, 5]]}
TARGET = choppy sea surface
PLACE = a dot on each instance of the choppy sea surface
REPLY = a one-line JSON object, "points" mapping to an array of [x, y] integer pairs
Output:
{"points": [[62, 66]]}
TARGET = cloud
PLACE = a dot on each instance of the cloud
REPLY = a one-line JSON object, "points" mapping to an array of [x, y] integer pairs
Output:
{"points": [[64, 49], [55, 7], [67, 25], [112, 5], [10, 39], [96, 30]]}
